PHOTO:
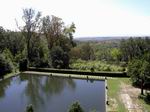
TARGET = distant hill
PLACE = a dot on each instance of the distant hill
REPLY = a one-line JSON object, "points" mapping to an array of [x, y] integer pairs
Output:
{"points": [[85, 39]]}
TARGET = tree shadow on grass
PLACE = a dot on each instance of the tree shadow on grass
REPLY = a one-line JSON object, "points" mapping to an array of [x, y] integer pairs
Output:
{"points": [[145, 98]]}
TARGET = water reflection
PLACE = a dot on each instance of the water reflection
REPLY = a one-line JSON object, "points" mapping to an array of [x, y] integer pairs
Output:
{"points": [[3, 87], [50, 94], [38, 88]]}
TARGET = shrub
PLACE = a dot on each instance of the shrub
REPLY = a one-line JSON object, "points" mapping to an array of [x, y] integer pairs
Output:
{"points": [[5, 65], [75, 107], [29, 108], [23, 65], [147, 99], [98, 66], [59, 58]]}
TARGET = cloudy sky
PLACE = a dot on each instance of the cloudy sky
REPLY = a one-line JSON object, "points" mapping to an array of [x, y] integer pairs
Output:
{"points": [[91, 17]]}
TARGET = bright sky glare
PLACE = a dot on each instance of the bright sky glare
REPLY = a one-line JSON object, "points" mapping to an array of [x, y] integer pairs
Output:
{"points": [[91, 17]]}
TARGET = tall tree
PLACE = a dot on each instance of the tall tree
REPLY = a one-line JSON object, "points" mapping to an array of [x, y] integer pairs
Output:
{"points": [[68, 32], [2, 38], [87, 52], [32, 26], [134, 48], [60, 40], [52, 29], [139, 72]]}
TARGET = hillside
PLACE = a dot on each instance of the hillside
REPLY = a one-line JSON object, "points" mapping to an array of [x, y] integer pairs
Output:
{"points": [[84, 39]]}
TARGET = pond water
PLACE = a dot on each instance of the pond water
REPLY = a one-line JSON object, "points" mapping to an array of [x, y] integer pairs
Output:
{"points": [[50, 94]]}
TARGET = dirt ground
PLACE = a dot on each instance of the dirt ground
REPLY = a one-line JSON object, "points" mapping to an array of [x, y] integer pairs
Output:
{"points": [[129, 96]]}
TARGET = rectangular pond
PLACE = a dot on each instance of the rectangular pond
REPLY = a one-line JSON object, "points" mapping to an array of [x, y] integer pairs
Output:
{"points": [[50, 94]]}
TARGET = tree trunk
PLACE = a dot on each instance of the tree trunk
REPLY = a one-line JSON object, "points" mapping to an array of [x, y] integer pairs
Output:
{"points": [[142, 89]]}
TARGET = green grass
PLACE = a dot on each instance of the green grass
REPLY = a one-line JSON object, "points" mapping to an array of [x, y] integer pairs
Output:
{"points": [[145, 105], [113, 92]]}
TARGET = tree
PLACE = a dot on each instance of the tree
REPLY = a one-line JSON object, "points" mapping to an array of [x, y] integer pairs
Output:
{"points": [[139, 72], [57, 34], [14, 42], [87, 52], [40, 52], [68, 32], [60, 40], [134, 48], [57, 57], [75, 53], [31, 28], [2, 39], [75, 107], [52, 28], [5, 65], [145, 74], [116, 54]]}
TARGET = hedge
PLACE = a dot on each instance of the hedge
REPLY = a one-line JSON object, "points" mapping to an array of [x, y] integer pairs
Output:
{"points": [[77, 72]]}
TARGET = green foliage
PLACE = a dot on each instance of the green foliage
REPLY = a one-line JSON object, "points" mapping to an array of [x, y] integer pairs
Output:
{"points": [[75, 107], [134, 48], [83, 51], [20, 55], [2, 39], [59, 40], [103, 49], [147, 99], [133, 70], [138, 69], [139, 72], [60, 59], [39, 53], [29, 108], [56, 56], [14, 42], [5, 65], [23, 64], [116, 54], [32, 27], [96, 65]]}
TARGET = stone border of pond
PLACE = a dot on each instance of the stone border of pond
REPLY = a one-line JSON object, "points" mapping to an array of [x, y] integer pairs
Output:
{"points": [[106, 98], [87, 77], [79, 72]]}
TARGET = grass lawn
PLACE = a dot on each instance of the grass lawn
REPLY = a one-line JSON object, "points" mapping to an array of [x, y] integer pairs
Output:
{"points": [[115, 103], [114, 98], [146, 106]]}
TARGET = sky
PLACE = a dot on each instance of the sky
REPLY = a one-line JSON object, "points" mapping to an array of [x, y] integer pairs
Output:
{"points": [[91, 17]]}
